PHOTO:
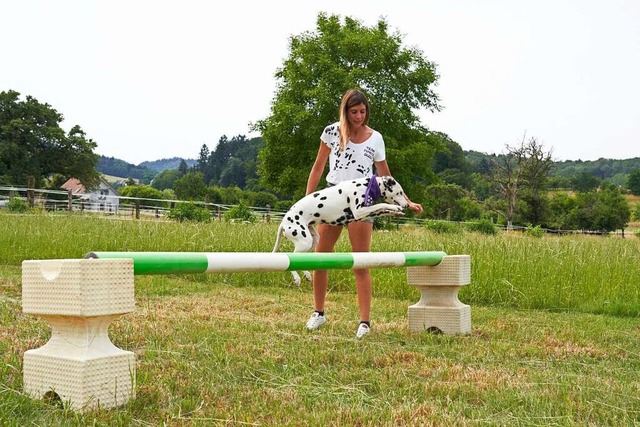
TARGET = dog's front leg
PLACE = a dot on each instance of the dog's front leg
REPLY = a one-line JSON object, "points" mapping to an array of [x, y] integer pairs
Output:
{"points": [[378, 209], [296, 277]]}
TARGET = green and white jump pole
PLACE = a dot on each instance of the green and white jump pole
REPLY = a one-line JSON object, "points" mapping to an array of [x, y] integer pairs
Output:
{"points": [[79, 298], [234, 262]]}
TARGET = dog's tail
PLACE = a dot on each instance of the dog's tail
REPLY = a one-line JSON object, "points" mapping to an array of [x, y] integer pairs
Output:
{"points": [[276, 246]]}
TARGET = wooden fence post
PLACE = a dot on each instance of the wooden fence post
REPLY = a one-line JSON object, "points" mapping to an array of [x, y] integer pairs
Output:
{"points": [[31, 183]]}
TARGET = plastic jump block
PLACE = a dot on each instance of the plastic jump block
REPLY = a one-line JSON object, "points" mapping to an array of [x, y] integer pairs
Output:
{"points": [[439, 308], [79, 298]]}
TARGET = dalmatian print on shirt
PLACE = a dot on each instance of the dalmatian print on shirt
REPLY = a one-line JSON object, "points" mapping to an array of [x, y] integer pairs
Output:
{"points": [[356, 160]]}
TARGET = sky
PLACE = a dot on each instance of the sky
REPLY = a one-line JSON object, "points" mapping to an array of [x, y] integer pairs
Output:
{"points": [[148, 80]]}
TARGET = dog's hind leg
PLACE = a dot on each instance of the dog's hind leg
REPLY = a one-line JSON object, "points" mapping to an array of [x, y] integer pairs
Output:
{"points": [[315, 238], [302, 245]]}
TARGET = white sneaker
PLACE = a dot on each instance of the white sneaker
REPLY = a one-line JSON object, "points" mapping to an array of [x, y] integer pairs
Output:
{"points": [[363, 330], [315, 321]]}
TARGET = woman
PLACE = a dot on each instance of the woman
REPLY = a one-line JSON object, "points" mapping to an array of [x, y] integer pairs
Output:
{"points": [[352, 149]]}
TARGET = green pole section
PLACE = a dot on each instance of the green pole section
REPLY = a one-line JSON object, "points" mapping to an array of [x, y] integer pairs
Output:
{"points": [[414, 259], [319, 261], [160, 262]]}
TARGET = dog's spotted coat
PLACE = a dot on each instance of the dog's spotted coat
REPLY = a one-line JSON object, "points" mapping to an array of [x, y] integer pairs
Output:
{"points": [[336, 205]]}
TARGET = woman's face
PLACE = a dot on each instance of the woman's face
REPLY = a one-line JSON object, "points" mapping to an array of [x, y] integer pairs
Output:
{"points": [[357, 115]]}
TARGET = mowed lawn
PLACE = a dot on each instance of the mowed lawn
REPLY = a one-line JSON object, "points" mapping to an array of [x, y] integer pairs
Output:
{"points": [[555, 333]]}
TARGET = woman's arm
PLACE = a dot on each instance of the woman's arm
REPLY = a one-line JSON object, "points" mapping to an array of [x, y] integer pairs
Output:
{"points": [[318, 168], [382, 168]]}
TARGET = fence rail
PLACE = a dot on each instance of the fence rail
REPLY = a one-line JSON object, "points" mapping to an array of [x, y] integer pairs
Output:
{"points": [[57, 200]]}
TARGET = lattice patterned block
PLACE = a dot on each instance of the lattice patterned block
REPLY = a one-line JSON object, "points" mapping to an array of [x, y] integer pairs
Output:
{"points": [[439, 308], [79, 299], [78, 287]]}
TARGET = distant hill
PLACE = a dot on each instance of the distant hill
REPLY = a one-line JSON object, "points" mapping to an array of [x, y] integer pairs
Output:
{"points": [[602, 168], [144, 172], [164, 164]]}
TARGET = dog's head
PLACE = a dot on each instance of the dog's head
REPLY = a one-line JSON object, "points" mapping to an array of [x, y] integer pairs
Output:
{"points": [[392, 192]]}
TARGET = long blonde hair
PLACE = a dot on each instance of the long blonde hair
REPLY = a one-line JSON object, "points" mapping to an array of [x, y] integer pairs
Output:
{"points": [[349, 99]]}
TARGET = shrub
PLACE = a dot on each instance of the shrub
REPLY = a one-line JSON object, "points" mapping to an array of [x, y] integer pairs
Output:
{"points": [[261, 198], [240, 212], [534, 231], [483, 226], [189, 212], [442, 227], [17, 205]]}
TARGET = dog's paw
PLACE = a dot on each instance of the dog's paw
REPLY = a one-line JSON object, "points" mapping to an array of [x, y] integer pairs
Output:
{"points": [[296, 278], [307, 275]]}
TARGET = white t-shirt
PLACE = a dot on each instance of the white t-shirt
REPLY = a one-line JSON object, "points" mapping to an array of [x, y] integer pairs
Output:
{"points": [[356, 160]]}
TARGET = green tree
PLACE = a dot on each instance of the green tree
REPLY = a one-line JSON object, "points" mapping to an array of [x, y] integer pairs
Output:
{"points": [[191, 186], [203, 161], [444, 201], [32, 143], [633, 182], [165, 179], [535, 207], [604, 210], [234, 173], [183, 168], [561, 206], [450, 164], [233, 162], [321, 65], [585, 181]]}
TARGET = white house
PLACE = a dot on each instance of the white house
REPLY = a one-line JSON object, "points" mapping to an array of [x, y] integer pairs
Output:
{"points": [[104, 198]]}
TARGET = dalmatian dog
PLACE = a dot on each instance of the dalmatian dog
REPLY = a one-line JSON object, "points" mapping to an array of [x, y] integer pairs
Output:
{"points": [[339, 205]]}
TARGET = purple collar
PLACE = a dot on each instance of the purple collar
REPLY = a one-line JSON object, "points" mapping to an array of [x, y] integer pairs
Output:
{"points": [[373, 191]]}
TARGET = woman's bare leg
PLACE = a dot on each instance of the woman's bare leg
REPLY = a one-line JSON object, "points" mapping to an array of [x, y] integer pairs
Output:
{"points": [[360, 236], [328, 236]]}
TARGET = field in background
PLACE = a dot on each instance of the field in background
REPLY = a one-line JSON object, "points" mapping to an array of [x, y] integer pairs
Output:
{"points": [[555, 336]]}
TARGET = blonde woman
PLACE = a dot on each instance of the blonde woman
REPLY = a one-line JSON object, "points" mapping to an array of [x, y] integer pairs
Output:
{"points": [[352, 149]]}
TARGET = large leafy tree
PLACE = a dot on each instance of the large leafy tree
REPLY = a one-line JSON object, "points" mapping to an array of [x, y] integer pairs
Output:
{"points": [[604, 210], [32, 143], [190, 186], [322, 64]]}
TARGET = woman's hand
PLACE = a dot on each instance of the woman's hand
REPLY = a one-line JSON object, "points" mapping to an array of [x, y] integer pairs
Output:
{"points": [[416, 207]]}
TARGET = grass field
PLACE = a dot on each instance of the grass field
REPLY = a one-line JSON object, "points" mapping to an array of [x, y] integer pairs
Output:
{"points": [[555, 335]]}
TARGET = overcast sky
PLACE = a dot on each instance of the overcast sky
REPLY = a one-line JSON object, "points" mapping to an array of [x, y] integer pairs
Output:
{"points": [[148, 80]]}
